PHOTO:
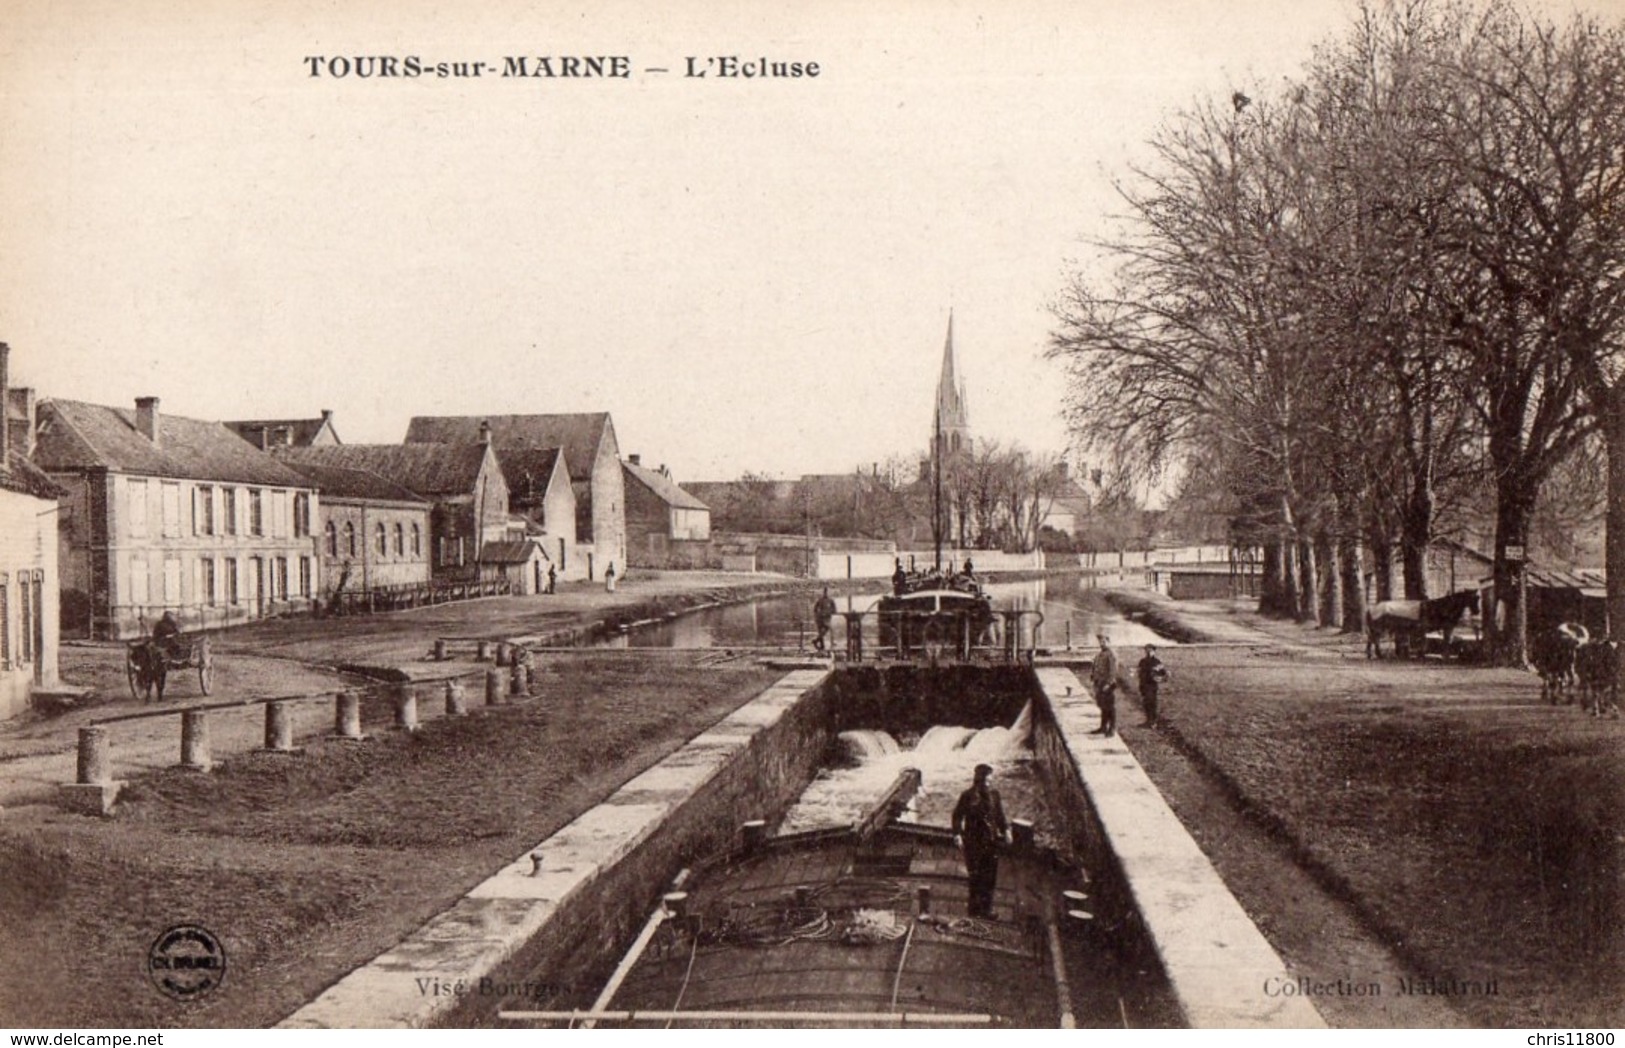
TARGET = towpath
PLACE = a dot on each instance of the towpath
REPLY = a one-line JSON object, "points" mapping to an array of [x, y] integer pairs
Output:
{"points": [[317, 657]]}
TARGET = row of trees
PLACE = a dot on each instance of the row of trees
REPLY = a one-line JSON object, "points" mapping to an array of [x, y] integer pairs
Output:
{"points": [[993, 497], [1385, 296]]}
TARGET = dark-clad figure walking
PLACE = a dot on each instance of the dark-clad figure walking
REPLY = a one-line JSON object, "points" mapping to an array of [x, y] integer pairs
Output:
{"points": [[823, 613], [1151, 673], [979, 829], [1103, 675]]}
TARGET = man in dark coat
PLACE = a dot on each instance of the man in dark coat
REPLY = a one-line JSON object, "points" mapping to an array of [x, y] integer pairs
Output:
{"points": [[1103, 676], [899, 579], [1151, 673], [979, 828], [823, 613]]}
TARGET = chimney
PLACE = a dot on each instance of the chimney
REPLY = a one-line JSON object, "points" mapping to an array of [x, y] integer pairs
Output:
{"points": [[636, 460], [25, 433], [287, 436], [485, 432], [327, 415], [146, 417], [5, 409], [664, 472]]}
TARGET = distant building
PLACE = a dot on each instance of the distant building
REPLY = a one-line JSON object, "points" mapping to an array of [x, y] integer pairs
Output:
{"points": [[29, 585], [591, 454], [520, 561], [373, 534], [266, 434], [163, 513], [666, 527], [463, 482], [541, 496]]}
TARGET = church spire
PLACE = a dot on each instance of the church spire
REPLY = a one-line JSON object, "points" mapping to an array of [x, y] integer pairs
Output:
{"points": [[951, 422]]}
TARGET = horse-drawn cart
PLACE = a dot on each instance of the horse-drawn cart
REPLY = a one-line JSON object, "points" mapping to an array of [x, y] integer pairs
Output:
{"points": [[150, 660]]}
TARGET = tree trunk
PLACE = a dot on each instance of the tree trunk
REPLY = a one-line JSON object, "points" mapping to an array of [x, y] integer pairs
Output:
{"points": [[1353, 585], [1509, 645], [1416, 531], [1331, 593], [1613, 428], [1308, 583], [1382, 564], [1272, 579]]}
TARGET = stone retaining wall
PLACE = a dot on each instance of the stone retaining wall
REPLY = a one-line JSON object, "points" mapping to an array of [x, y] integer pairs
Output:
{"points": [[1151, 874], [519, 938]]}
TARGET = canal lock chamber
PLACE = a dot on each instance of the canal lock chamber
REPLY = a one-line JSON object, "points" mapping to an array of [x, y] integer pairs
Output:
{"points": [[829, 757]]}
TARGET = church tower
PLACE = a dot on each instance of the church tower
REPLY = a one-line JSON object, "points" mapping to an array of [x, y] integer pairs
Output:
{"points": [[951, 422]]}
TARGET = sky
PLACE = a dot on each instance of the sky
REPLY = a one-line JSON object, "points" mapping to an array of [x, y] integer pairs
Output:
{"points": [[748, 274]]}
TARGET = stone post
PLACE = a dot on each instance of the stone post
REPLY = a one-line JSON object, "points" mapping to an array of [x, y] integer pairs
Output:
{"points": [[195, 740], [483, 651], [93, 762], [406, 708], [502, 653], [493, 688], [516, 680], [456, 702], [279, 726], [440, 650], [347, 715]]}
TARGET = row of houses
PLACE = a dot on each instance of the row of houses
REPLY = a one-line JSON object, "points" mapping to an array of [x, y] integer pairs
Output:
{"points": [[111, 516]]}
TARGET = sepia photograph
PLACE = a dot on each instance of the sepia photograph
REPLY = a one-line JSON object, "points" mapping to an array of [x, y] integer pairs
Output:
{"points": [[914, 515]]}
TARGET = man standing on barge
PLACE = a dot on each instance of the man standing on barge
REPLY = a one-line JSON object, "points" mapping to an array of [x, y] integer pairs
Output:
{"points": [[980, 828]]}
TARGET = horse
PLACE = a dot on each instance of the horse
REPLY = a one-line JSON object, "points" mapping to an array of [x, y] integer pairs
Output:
{"points": [[1413, 620], [1554, 653]]}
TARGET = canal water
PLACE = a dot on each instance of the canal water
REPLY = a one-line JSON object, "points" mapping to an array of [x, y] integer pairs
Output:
{"points": [[786, 622], [946, 757]]}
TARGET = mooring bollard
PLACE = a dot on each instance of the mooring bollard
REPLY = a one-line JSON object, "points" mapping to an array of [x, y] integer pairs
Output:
{"points": [[456, 704], [439, 650], [347, 715], [502, 653], [93, 764], [536, 862], [278, 727], [482, 651], [924, 896], [195, 740], [493, 688], [516, 680], [754, 833], [406, 708]]}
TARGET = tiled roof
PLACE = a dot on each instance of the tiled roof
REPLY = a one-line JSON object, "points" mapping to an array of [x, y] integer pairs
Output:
{"points": [[301, 431], [579, 435], [346, 482], [429, 470], [75, 436], [24, 477], [515, 552], [527, 468], [663, 486]]}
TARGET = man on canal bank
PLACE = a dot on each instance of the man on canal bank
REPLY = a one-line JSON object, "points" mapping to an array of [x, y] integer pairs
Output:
{"points": [[979, 829], [1151, 673], [1103, 676], [823, 614]]}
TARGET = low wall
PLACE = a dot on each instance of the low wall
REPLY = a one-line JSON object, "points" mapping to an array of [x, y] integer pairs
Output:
{"points": [[506, 943], [1153, 874]]}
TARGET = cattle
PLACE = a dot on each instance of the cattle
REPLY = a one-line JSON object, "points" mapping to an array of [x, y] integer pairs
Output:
{"points": [[1553, 654], [1596, 664]]}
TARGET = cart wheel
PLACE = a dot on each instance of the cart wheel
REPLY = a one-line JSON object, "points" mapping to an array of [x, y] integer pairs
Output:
{"points": [[205, 665]]}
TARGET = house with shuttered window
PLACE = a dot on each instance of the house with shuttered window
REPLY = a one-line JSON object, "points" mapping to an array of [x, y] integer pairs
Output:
{"points": [[164, 513], [28, 559]]}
